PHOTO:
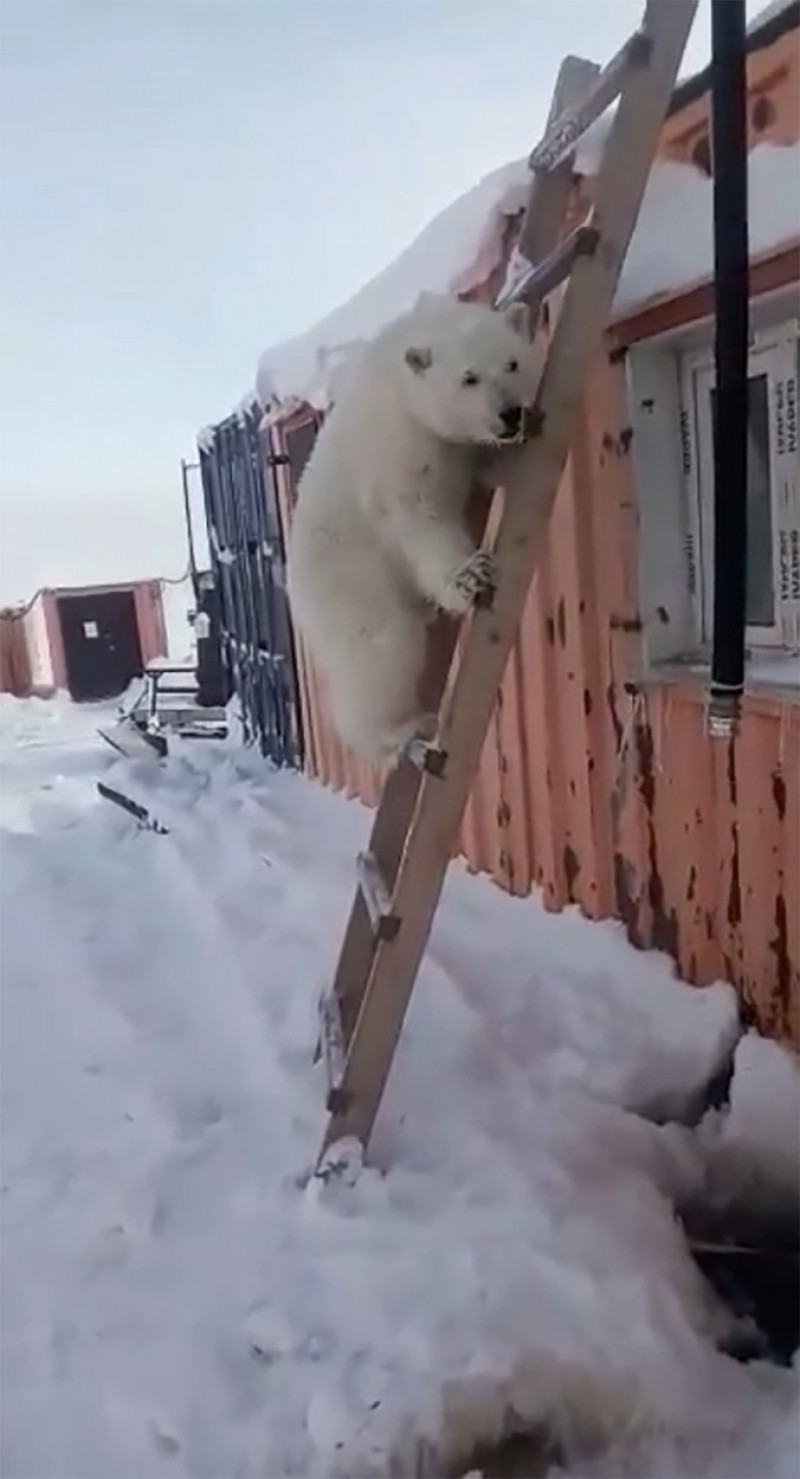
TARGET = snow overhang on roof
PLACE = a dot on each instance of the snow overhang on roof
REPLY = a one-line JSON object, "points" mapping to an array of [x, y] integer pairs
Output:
{"points": [[671, 250], [455, 252]]}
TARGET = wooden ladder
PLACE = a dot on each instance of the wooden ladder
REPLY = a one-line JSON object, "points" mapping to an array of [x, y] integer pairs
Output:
{"points": [[416, 827]]}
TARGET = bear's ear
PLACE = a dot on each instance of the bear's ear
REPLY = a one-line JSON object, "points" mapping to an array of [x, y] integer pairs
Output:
{"points": [[419, 360], [516, 316]]}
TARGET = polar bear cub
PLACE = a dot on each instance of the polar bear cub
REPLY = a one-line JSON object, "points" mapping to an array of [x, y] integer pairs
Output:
{"points": [[379, 539]]}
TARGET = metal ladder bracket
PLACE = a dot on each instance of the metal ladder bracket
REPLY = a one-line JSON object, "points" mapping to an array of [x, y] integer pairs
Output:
{"points": [[330, 1048], [427, 757], [377, 898]]}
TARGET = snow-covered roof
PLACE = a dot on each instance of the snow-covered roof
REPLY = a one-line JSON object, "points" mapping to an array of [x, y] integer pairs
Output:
{"points": [[672, 247], [451, 254], [671, 250]]}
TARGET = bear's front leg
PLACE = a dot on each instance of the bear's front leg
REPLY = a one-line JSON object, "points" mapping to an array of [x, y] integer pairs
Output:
{"points": [[447, 567], [474, 584], [465, 577]]}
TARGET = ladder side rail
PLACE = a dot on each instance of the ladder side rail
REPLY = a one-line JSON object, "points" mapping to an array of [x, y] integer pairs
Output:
{"points": [[389, 834], [565, 132], [551, 190]]}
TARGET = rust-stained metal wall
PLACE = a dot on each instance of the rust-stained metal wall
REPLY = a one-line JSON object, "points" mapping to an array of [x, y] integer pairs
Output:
{"points": [[594, 789], [707, 849], [15, 668]]}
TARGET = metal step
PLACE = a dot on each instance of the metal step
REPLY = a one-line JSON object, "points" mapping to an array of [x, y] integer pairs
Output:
{"points": [[376, 897]]}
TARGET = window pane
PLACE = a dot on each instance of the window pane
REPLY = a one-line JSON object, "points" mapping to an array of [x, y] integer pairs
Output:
{"points": [[760, 591]]}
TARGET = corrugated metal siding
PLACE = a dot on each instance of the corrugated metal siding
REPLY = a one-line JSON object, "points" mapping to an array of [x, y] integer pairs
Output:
{"points": [[149, 598], [327, 758], [549, 766], [15, 668], [707, 849], [40, 621]]}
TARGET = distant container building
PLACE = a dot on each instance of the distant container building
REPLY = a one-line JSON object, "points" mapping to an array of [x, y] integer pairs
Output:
{"points": [[90, 640]]}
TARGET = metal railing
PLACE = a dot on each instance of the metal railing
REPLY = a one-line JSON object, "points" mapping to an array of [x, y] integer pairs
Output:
{"points": [[248, 561]]}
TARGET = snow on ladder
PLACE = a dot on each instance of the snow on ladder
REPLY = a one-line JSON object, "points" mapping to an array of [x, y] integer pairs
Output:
{"points": [[416, 827]]}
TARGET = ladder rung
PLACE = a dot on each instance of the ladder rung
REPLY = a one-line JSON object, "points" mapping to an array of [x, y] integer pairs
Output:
{"points": [[174, 690], [331, 1048], [560, 140], [537, 282], [172, 667], [376, 897]]}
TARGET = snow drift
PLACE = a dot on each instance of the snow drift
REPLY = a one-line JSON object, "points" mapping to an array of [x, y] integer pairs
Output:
{"points": [[178, 1299]]}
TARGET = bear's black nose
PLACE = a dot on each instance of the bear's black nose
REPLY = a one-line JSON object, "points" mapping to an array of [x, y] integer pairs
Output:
{"points": [[511, 420]]}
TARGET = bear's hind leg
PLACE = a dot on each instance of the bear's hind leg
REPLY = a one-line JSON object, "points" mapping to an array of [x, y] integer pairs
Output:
{"points": [[374, 695]]}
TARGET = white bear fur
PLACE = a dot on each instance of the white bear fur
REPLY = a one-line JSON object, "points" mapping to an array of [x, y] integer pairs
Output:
{"points": [[379, 540]]}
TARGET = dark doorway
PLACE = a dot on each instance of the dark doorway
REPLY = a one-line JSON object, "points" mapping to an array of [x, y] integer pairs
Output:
{"points": [[102, 650]]}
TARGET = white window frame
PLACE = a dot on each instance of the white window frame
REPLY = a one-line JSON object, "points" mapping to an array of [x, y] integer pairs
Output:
{"points": [[774, 352]]}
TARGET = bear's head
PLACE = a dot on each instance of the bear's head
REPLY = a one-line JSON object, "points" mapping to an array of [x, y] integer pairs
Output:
{"points": [[470, 371]]}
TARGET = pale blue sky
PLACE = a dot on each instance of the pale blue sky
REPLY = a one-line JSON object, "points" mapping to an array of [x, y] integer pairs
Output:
{"points": [[185, 182]]}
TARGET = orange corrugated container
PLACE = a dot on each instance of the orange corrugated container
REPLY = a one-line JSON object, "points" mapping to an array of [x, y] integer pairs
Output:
{"points": [[596, 788]]}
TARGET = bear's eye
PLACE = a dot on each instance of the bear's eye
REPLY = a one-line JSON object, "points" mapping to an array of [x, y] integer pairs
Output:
{"points": [[470, 378], [512, 366]]}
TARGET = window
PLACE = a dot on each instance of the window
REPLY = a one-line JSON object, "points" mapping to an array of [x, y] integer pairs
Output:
{"points": [[773, 490]]}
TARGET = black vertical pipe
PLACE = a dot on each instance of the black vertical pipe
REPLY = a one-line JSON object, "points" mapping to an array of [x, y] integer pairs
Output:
{"points": [[732, 304]]}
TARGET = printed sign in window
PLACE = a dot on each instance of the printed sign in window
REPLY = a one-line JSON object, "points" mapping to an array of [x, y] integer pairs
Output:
{"points": [[773, 487], [90, 630]]}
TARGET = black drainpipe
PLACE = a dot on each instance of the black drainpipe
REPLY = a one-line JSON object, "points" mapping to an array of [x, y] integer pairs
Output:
{"points": [[732, 308]]}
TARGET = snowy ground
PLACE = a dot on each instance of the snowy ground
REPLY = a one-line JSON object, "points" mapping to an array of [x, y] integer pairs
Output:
{"points": [[177, 1301]]}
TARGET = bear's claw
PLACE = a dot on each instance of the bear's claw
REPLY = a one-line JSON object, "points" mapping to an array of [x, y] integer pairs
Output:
{"points": [[477, 580]]}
